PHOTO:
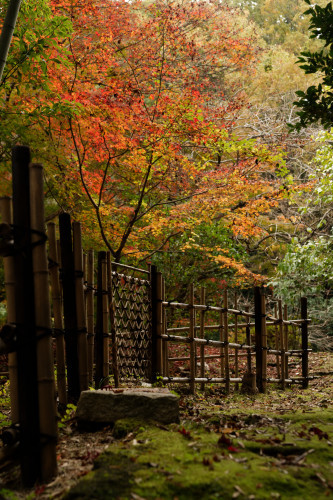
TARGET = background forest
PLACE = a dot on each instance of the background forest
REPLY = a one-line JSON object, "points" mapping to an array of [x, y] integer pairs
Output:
{"points": [[169, 129]]}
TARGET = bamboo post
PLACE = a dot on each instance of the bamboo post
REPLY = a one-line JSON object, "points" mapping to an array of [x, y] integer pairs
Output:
{"points": [[283, 358], [106, 341], [69, 305], [90, 313], [285, 333], [226, 341], [9, 272], [30, 459], [113, 332], [99, 336], [157, 323], [305, 341], [222, 361], [192, 344], [286, 343], [258, 338], [264, 341], [154, 312], [277, 343], [202, 335], [57, 314], [84, 271], [236, 342], [45, 358], [248, 341], [82, 344], [166, 370]]}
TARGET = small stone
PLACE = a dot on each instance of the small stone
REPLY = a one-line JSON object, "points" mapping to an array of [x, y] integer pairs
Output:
{"points": [[105, 407]]}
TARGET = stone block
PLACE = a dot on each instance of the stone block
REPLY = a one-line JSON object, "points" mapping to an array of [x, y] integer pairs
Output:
{"points": [[108, 406]]}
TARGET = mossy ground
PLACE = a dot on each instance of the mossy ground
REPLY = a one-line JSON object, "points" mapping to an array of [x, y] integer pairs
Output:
{"points": [[277, 445], [274, 445]]}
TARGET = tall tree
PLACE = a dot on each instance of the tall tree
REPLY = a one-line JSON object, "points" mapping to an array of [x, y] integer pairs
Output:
{"points": [[156, 94], [316, 103]]}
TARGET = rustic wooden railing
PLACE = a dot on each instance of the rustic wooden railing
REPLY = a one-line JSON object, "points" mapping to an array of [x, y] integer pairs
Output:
{"points": [[198, 336]]}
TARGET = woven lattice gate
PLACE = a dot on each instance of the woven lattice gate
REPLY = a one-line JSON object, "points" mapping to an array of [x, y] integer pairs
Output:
{"points": [[133, 322]]}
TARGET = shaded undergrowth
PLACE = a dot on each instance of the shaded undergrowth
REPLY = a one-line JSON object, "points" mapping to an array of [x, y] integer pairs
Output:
{"points": [[277, 445]]}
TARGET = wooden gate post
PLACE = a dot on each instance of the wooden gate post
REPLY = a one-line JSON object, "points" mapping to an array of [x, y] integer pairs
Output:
{"points": [[157, 325], [99, 335], [30, 446], [70, 318], [90, 313], [258, 338], [113, 328], [192, 336], [305, 341]]}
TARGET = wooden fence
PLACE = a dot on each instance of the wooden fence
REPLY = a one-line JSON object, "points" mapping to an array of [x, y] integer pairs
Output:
{"points": [[109, 323], [251, 333]]}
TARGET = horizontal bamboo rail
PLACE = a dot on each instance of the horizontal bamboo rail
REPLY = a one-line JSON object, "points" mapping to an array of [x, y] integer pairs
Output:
{"points": [[229, 332]]}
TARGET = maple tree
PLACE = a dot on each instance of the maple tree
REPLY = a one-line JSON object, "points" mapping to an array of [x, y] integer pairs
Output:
{"points": [[137, 102], [152, 94]]}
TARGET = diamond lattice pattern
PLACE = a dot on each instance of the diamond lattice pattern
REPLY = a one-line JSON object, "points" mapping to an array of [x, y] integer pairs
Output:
{"points": [[132, 306]]}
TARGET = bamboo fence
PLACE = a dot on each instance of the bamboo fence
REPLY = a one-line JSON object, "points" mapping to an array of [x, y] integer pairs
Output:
{"points": [[252, 327], [115, 328]]}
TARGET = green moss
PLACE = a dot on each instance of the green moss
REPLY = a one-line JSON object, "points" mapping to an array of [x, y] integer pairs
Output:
{"points": [[280, 449], [167, 464], [124, 426]]}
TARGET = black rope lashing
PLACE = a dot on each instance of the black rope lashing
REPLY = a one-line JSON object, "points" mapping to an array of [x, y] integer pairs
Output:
{"points": [[57, 332], [52, 263]]}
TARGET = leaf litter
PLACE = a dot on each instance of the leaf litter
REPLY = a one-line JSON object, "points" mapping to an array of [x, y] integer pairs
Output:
{"points": [[283, 433]]}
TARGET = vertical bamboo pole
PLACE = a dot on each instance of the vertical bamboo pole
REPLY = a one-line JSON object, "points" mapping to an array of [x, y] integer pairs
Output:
{"points": [[99, 336], [9, 271], [192, 344], [157, 323], [113, 332], [82, 343], [166, 370], [45, 363], [57, 313], [248, 341], [221, 336], [305, 340], [277, 343], [90, 313], [84, 271], [236, 342], [106, 341], [30, 459], [154, 312], [69, 305], [164, 345], [264, 342], [226, 341], [286, 346], [258, 338], [283, 358], [202, 335]]}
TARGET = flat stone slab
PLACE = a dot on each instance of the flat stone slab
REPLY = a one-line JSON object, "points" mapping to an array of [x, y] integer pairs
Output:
{"points": [[108, 406]]}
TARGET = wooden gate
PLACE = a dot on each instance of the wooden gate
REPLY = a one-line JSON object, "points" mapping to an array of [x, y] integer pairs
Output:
{"points": [[131, 291]]}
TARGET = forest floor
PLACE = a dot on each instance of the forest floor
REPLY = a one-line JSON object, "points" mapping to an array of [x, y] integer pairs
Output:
{"points": [[274, 445]]}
